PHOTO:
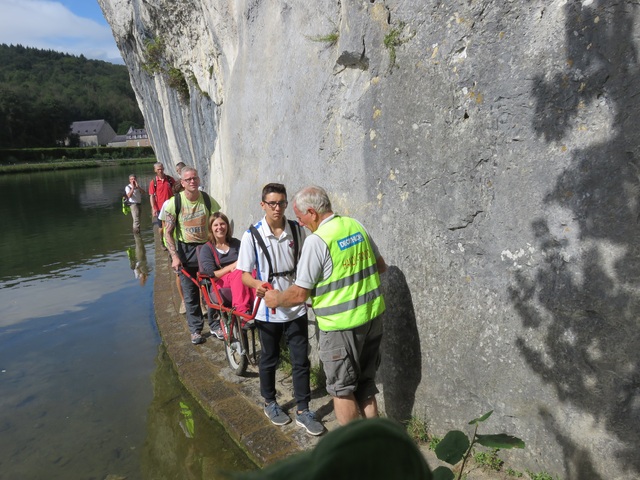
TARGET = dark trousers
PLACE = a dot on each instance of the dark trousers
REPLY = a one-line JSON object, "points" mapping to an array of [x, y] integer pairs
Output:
{"points": [[296, 333], [191, 294]]}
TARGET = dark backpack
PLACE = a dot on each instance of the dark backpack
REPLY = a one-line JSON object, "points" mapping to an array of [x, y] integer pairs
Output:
{"points": [[257, 238]]}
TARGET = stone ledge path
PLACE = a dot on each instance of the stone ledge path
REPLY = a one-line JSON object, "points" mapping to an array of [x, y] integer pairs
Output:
{"points": [[232, 400], [235, 401]]}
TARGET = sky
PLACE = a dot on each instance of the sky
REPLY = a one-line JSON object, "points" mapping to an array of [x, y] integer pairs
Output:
{"points": [[70, 26]]}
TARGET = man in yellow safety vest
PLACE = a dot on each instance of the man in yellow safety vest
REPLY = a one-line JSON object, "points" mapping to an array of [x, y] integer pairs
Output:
{"points": [[339, 270]]}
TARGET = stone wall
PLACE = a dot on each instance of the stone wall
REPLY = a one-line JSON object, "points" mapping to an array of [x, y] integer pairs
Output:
{"points": [[491, 148]]}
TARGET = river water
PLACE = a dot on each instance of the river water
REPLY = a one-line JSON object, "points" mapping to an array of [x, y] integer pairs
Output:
{"points": [[86, 388]]}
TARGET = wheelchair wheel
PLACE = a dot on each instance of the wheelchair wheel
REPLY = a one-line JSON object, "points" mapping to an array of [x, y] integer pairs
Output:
{"points": [[236, 346]]}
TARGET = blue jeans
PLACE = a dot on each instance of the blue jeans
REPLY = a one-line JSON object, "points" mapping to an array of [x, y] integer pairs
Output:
{"points": [[296, 333]]}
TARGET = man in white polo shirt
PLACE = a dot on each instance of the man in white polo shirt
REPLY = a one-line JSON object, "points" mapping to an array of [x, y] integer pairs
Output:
{"points": [[272, 248]]}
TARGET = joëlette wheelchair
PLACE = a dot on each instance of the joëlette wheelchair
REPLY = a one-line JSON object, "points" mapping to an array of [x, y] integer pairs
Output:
{"points": [[238, 328]]}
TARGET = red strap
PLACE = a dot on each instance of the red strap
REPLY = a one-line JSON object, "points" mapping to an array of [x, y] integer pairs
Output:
{"points": [[215, 255]]}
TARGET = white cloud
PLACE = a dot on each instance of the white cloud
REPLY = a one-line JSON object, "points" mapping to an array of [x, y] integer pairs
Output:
{"points": [[52, 26]]}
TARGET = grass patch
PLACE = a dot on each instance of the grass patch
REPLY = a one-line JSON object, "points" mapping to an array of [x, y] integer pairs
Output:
{"points": [[489, 459], [329, 38], [74, 164], [433, 442], [541, 476], [394, 39], [317, 378], [418, 429], [154, 55], [178, 82]]}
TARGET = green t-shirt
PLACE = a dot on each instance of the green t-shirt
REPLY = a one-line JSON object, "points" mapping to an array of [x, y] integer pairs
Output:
{"points": [[193, 218]]}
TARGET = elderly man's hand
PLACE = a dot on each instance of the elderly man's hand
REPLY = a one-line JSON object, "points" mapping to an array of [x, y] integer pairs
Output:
{"points": [[272, 298]]}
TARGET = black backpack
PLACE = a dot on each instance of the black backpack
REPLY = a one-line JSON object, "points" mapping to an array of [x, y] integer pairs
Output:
{"points": [[257, 238]]}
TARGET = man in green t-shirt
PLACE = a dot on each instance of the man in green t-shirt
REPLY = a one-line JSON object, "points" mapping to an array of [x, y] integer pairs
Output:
{"points": [[185, 229]]}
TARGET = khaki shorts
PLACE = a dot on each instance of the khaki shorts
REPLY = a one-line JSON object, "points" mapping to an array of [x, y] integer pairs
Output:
{"points": [[351, 358]]}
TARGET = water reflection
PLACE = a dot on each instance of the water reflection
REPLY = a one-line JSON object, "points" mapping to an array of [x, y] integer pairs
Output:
{"points": [[138, 260], [182, 441], [74, 213], [84, 391]]}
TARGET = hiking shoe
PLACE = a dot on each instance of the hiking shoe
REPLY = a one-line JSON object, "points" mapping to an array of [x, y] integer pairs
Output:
{"points": [[307, 420], [275, 414], [197, 339], [183, 308], [217, 333]]}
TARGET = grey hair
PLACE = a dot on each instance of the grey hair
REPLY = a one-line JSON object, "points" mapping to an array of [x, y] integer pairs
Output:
{"points": [[313, 197], [158, 164], [186, 169]]}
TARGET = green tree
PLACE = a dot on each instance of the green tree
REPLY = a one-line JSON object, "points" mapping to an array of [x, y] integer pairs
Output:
{"points": [[42, 92]]}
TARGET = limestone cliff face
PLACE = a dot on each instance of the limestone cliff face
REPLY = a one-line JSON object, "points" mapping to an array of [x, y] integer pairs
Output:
{"points": [[491, 148]]}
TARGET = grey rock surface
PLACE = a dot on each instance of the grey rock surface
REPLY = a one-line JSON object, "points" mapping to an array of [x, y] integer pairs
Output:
{"points": [[490, 147]]}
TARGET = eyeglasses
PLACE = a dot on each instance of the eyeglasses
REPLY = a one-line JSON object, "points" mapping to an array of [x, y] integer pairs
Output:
{"points": [[191, 179], [273, 205]]}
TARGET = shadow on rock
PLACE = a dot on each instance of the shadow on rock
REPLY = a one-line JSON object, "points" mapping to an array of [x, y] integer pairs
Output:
{"points": [[400, 371]]}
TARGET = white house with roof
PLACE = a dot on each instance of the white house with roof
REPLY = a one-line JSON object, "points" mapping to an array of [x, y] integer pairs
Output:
{"points": [[137, 137], [93, 133]]}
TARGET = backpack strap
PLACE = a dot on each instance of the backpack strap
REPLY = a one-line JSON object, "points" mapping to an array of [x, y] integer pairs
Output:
{"points": [[257, 238], [178, 204], [207, 201], [294, 231]]}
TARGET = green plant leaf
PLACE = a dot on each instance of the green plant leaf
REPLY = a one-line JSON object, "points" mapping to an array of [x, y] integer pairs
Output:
{"points": [[501, 440], [481, 419], [452, 447], [442, 473]]}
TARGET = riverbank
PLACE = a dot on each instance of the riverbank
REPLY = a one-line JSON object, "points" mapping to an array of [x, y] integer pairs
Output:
{"points": [[72, 164]]}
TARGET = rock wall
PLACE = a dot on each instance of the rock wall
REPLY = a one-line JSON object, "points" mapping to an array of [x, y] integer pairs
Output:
{"points": [[491, 148]]}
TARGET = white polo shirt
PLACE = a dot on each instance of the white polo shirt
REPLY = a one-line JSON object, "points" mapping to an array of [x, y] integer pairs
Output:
{"points": [[281, 251]]}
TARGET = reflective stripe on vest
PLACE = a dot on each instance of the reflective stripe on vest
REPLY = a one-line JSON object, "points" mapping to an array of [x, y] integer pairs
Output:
{"points": [[351, 296]]}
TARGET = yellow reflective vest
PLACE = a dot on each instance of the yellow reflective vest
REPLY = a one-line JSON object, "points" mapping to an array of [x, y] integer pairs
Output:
{"points": [[351, 296]]}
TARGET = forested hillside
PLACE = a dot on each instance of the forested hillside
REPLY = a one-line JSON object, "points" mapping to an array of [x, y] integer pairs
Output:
{"points": [[42, 92]]}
